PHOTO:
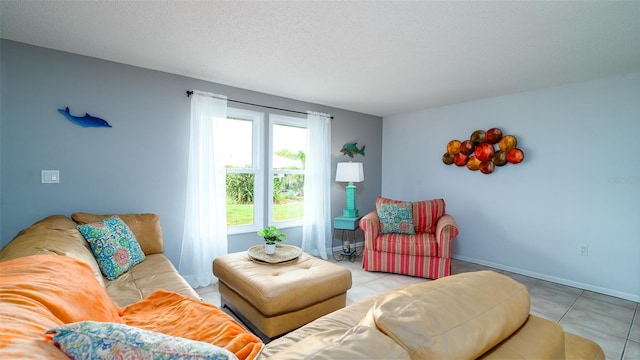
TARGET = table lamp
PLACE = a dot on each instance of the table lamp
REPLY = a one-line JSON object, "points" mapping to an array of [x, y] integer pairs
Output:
{"points": [[350, 172]]}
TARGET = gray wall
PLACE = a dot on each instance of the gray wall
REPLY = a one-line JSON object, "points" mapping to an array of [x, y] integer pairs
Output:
{"points": [[140, 164], [579, 182]]}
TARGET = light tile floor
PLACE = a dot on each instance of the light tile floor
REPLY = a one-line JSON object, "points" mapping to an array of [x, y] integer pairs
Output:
{"points": [[611, 322]]}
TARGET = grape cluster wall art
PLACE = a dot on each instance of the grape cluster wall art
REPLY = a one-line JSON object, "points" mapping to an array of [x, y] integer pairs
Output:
{"points": [[479, 151]]}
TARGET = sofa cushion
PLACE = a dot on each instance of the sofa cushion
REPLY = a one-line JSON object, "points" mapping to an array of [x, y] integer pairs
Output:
{"points": [[100, 340], [360, 342], [146, 228], [436, 320], [577, 347], [425, 212], [155, 272], [344, 318], [115, 247], [548, 344], [395, 218], [176, 315], [55, 234], [38, 292]]}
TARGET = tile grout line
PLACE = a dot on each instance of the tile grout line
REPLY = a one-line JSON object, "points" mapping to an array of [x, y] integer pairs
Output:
{"points": [[571, 307], [633, 318]]}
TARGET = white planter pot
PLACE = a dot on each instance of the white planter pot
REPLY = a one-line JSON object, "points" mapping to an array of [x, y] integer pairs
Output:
{"points": [[269, 249]]}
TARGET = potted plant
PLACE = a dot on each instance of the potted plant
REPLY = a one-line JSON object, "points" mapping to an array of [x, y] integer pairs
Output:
{"points": [[271, 236]]}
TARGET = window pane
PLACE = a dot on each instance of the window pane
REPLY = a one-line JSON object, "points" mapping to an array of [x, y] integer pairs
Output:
{"points": [[289, 146], [288, 197], [240, 199], [239, 143]]}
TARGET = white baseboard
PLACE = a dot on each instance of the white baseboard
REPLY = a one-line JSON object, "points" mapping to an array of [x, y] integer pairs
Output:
{"points": [[576, 284], [558, 280]]}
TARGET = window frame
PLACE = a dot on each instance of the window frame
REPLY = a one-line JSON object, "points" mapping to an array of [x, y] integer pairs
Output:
{"points": [[277, 119], [257, 169]]}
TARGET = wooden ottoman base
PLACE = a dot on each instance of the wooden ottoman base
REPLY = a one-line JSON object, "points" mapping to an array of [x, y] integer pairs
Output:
{"points": [[273, 299]]}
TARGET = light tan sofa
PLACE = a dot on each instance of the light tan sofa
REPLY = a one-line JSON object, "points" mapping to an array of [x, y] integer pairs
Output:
{"points": [[473, 315], [466, 316], [57, 234]]}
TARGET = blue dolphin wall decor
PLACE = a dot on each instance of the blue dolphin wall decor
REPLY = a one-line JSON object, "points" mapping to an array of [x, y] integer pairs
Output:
{"points": [[84, 121]]}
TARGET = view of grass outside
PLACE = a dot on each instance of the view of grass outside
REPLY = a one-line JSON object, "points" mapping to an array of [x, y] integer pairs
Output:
{"points": [[239, 214], [288, 199], [242, 214], [287, 168], [292, 210]]}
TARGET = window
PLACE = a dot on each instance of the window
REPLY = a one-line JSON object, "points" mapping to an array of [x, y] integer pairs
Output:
{"points": [[283, 151], [288, 148], [244, 175]]}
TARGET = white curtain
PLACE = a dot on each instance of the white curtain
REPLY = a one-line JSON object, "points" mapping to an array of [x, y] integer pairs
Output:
{"points": [[316, 230], [205, 223]]}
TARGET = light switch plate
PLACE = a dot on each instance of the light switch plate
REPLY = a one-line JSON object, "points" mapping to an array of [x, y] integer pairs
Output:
{"points": [[50, 176]]}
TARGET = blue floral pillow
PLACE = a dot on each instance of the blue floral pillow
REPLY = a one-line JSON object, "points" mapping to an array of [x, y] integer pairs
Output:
{"points": [[396, 218], [100, 340], [114, 246]]}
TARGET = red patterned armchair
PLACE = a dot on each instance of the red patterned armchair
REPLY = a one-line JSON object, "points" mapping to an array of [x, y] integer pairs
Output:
{"points": [[390, 246]]}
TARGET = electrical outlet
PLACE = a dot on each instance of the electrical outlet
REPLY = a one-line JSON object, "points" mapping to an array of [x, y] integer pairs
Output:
{"points": [[584, 250], [50, 176]]}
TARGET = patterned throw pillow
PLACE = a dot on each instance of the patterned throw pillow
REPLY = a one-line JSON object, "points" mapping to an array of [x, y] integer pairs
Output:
{"points": [[100, 340], [425, 212], [114, 246], [396, 218]]}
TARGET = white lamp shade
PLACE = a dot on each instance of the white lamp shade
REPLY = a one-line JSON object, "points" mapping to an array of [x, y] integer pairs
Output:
{"points": [[350, 172]]}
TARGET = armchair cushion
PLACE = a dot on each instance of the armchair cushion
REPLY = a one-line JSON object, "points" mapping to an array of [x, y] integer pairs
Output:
{"points": [[425, 213], [420, 244], [395, 218]]}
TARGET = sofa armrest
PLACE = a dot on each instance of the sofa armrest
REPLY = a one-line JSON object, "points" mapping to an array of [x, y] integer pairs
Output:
{"points": [[370, 225], [446, 230]]}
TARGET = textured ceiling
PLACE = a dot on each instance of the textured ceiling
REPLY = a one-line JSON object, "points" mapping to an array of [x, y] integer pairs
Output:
{"points": [[380, 57]]}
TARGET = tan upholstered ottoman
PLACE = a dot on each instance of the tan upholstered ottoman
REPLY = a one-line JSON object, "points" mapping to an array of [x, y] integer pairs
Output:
{"points": [[273, 299]]}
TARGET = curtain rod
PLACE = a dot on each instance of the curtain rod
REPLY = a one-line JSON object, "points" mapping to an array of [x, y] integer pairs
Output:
{"points": [[189, 93]]}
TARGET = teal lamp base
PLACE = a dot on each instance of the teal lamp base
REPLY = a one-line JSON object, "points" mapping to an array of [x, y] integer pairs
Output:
{"points": [[351, 211]]}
